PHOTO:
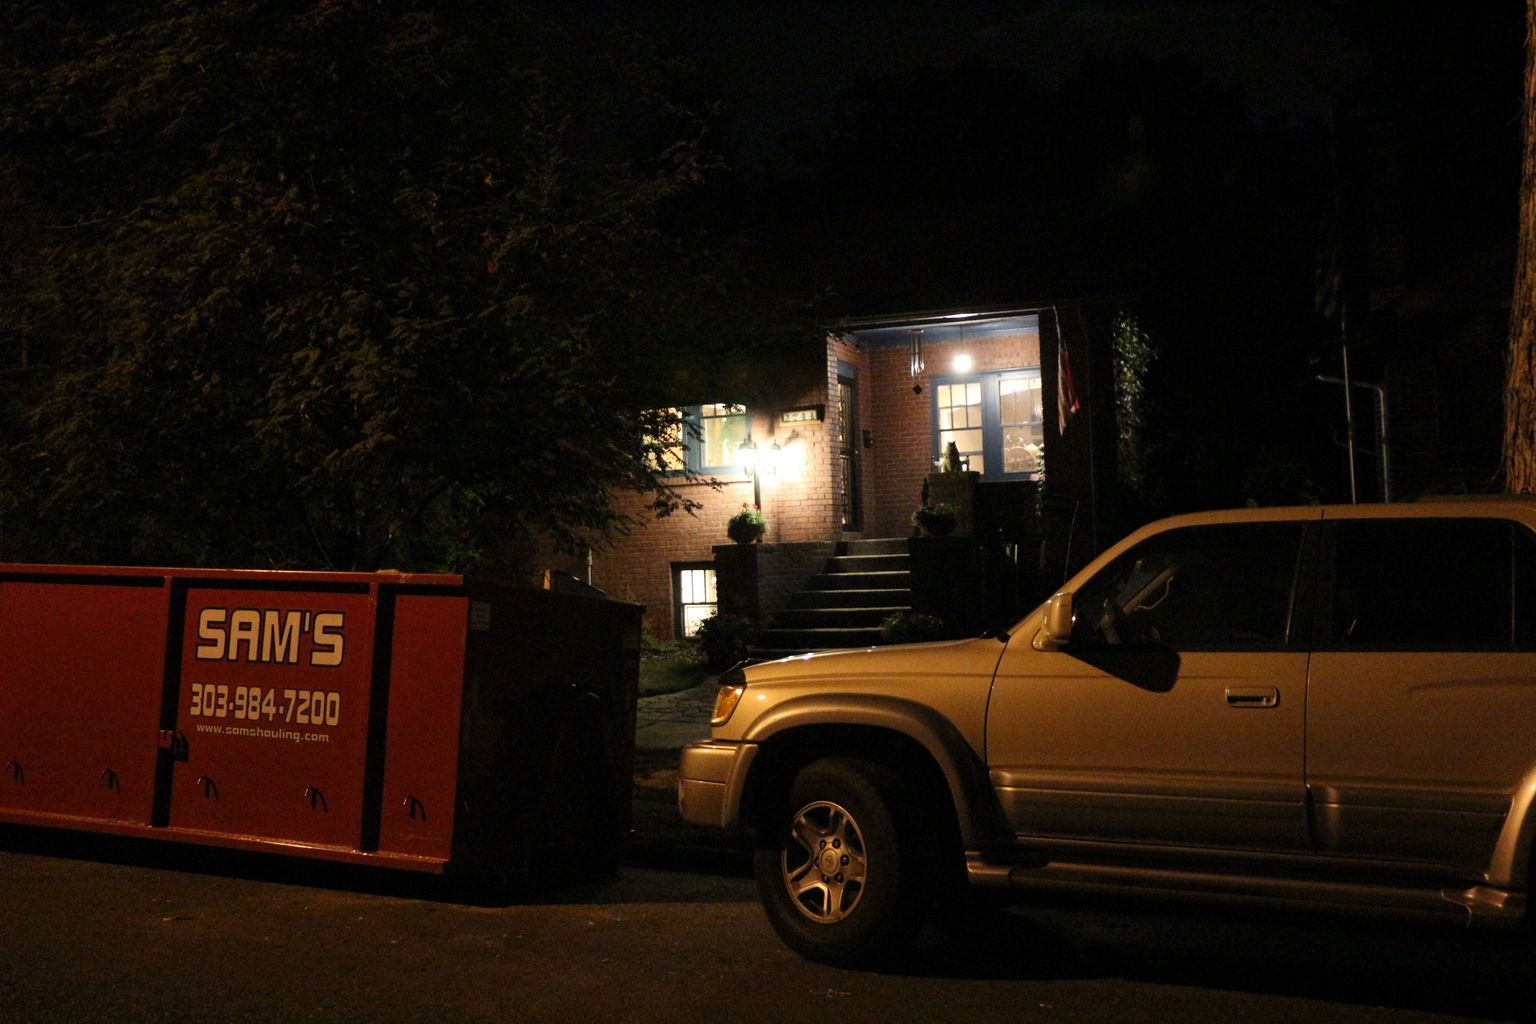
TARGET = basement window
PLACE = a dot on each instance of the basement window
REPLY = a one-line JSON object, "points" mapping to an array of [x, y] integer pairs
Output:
{"points": [[694, 597]]}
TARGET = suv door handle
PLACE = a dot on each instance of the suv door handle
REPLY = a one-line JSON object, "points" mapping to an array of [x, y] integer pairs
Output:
{"points": [[1252, 696]]}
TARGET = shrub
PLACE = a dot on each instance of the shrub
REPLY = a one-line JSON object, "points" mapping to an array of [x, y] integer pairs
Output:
{"points": [[747, 525], [937, 520], [725, 639], [907, 627]]}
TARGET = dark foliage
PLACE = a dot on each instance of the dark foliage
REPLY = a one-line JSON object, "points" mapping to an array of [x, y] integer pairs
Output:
{"points": [[343, 284]]}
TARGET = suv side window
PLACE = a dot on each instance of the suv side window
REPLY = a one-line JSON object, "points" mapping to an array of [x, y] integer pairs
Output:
{"points": [[1218, 588], [1525, 588], [1427, 584]]}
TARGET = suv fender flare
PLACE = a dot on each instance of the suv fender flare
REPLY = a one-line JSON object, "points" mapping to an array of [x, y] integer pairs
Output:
{"points": [[964, 772], [1511, 864]]}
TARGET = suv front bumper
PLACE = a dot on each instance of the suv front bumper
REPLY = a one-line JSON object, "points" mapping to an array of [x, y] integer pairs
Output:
{"points": [[711, 777]]}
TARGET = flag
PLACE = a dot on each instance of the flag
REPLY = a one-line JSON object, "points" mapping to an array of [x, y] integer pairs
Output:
{"points": [[1066, 391], [1328, 295]]}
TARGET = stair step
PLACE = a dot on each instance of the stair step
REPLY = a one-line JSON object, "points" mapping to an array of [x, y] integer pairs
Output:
{"points": [[863, 584], [816, 639], [860, 581], [866, 598], [868, 563], [838, 617], [874, 546]]}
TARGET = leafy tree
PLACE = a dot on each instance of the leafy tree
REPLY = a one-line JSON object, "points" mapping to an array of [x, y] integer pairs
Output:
{"points": [[341, 283], [1520, 386]]}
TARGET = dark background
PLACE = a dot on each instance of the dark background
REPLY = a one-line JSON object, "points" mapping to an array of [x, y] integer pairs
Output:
{"points": [[1202, 162], [257, 258]]}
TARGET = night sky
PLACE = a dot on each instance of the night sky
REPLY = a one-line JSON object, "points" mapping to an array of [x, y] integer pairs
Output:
{"points": [[1202, 159], [913, 108]]}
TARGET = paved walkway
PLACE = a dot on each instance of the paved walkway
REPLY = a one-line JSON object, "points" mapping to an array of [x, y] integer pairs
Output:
{"points": [[668, 721]]}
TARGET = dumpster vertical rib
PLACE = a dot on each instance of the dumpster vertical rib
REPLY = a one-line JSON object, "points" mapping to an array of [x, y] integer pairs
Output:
{"points": [[378, 718], [170, 698]]}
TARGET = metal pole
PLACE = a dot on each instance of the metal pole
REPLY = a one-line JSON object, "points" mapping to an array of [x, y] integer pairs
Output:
{"points": [[1382, 419], [1386, 444], [1349, 413], [1091, 401]]}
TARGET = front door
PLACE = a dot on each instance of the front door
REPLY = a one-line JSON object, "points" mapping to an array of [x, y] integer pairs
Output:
{"points": [[1176, 713], [848, 448]]}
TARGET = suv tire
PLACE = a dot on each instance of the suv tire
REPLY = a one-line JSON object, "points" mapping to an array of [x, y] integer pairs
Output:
{"points": [[843, 867]]}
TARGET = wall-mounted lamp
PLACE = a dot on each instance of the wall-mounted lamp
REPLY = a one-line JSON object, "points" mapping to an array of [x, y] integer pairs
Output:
{"points": [[962, 363], [757, 463]]}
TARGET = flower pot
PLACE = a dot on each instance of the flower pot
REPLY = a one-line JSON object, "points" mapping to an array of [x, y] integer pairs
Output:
{"points": [[935, 520], [744, 532]]}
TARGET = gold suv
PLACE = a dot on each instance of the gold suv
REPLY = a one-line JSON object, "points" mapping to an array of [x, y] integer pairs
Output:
{"points": [[1328, 704]]}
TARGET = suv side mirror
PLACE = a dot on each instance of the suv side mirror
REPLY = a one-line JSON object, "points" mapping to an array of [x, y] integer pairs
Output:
{"points": [[1057, 628]]}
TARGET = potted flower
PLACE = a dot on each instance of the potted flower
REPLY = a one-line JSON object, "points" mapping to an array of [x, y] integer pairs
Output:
{"points": [[936, 520], [746, 526]]}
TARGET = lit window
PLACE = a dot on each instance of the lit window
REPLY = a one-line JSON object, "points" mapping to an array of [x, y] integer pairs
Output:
{"points": [[665, 449], [1019, 411], [697, 438], [994, 420], [720, 428], [694, 596], [960, 421]]}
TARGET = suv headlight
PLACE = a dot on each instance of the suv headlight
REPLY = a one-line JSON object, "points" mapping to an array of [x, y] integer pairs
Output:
{"points": [[732, 685]]}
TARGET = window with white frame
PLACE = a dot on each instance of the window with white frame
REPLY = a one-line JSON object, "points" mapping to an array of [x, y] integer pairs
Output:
{"points": [[994, 419], [694, 597], [959, 418], [716, 431]]}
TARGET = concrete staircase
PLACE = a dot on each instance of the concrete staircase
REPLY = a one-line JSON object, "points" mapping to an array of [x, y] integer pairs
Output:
{"points": [[844, 604]]}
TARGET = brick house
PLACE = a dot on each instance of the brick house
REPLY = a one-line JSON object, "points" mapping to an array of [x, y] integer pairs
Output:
{"points": [[847, 448]]}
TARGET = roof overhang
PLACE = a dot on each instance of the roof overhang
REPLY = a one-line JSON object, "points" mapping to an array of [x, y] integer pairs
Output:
{"points": [[882, 331]]}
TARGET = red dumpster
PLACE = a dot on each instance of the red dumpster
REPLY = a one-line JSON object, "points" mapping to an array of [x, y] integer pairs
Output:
{"points": [[429, 722]]}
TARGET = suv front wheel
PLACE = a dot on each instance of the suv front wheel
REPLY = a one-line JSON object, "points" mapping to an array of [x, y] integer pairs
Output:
{"points": [[842, 869]]}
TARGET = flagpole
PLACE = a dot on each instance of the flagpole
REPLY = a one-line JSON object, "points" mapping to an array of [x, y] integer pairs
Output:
{"points": [[1093, 468]]}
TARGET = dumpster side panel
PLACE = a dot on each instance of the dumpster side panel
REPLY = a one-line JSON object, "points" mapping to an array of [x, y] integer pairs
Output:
{"points": [[273, 701], [549, 730], [425, 722], [592, 770], [81, 669], [422, 745]]}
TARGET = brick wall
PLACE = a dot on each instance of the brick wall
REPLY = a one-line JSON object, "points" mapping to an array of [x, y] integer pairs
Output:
{"points": [[799, 502]]}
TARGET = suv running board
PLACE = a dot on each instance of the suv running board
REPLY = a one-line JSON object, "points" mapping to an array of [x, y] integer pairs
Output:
{"points": [[1480, 905]]}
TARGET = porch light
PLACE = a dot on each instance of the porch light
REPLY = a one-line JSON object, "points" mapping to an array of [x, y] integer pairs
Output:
{"points": [[962, 363], [773, 458], [755, 460], [746, 454], [757, 463]]}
